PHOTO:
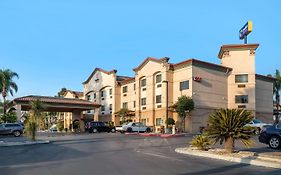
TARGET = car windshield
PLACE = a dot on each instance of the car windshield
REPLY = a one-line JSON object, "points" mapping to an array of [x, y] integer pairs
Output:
{"points": [[257, 121]]}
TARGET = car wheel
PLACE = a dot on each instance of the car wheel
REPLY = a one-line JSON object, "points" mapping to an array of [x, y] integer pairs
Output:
{"points": [[16, 133], [148, 130], [274, 142], [113, 130], [257, 131], [129, 130], [95, 130]]}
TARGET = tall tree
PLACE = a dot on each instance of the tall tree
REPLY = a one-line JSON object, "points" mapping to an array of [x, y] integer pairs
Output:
{"points": [[276, 92], [7, 84], [183, 107]]}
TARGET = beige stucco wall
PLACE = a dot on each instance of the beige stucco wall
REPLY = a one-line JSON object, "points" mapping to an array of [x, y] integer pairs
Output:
{"points": [[211, 91], [242, 62], [264, 100]]}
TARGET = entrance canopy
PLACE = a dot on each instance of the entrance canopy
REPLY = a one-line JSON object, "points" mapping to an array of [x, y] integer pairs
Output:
{"points": [[55, 104]]}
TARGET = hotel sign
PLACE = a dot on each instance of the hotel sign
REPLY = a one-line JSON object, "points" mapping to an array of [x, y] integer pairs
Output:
{"points": [[245, 30]]}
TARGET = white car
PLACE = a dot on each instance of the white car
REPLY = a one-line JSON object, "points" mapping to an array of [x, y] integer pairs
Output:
{"points": [[259, 125], [135, 127]]}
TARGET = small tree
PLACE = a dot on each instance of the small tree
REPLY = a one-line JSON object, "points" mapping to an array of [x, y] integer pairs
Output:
{"points": [[35, 113], [228, 125], [9, 117], [183, 107], [125, 114]]}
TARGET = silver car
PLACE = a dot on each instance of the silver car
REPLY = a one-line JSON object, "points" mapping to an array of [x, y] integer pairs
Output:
{"points": [[15, 129]]}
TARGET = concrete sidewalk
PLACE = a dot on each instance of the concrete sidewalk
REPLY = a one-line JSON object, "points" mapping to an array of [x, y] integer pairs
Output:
{"points": [[22, 143], [245, 157]]}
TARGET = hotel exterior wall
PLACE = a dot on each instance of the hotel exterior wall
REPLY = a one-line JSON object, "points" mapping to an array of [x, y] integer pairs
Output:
{"points": [[149, 70], [242, 62], [211, 91], [264, 102]]}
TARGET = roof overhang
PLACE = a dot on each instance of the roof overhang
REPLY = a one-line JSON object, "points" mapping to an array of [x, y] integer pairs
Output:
{"points": [[236, 47], [55, 104]]}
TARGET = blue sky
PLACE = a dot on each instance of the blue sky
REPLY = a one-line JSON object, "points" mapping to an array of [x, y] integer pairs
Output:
{"points": [[57, 43]]}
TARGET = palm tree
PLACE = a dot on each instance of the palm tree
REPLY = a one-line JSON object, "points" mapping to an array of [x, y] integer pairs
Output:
{"points": [[7, 85], [228, 125], [35, 113], [276, 92]]}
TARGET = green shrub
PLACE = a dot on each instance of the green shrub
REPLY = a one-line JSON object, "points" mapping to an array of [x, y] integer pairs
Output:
{"points": [[201, 142]]}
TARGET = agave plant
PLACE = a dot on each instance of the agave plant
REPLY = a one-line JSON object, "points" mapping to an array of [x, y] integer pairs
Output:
{"points": [[201, 142], [228, 125]]}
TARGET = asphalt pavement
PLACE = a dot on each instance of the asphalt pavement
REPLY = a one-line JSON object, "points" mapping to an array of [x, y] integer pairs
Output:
{"points": [[113, 153]]}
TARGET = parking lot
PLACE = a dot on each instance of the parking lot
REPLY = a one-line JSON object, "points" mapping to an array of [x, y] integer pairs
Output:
{"points": [[113, 153]]}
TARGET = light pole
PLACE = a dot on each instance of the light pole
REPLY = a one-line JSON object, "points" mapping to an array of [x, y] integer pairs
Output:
{"points": [[167, 105]]}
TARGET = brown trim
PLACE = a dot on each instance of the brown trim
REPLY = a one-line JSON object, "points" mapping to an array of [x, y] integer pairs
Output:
{"points": [[236, 47], [203, 64], [101, 70], [57, 100], [127, 81], [265, 78], [165, 59]]}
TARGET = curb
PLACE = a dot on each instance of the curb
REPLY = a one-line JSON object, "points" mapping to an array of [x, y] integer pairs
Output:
{"points": [[254, 160], [8, 144], [156, 135]]}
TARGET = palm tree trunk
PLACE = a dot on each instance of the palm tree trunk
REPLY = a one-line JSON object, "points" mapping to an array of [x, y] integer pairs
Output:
{"points": [[4, 108], [229, 145]]}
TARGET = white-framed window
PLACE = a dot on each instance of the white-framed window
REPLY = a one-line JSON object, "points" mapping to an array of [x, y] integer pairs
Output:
{"points": [[158, 121], [143, 101], [184, 85], [110, 107], [102, 107], [158, 98], [125, 105], [158, 78], [143, 82], [241, 78], [110, 91], [125, 89], [241, 98]]}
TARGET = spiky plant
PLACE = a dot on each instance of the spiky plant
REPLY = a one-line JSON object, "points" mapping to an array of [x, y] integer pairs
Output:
{"points": [[228, 125], [201, 142]]}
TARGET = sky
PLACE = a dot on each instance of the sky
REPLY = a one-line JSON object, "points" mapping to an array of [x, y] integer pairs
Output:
{"points": [[58, 43]]}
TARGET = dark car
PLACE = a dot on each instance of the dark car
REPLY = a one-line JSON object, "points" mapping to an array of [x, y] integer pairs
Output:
{"points": [[93, 127], [15, 129], [271, 135]]}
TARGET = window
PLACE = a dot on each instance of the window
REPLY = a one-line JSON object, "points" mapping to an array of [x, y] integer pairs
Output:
{"points": [[158, 78], [88, 97], [143, 89], [158, 99], [95, 95], [102, 108], [125, 105], [102, 93], [110, 107], [184, 85], [158, 121], [143, 121], [241, 98], [110, 91], [134, 104], [125, 89], [143, 101], [143, 82], [242, 78], [134, 87]]}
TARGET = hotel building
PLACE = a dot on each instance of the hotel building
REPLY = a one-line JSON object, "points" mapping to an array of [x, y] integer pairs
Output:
{"points": [[158, 83]]}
